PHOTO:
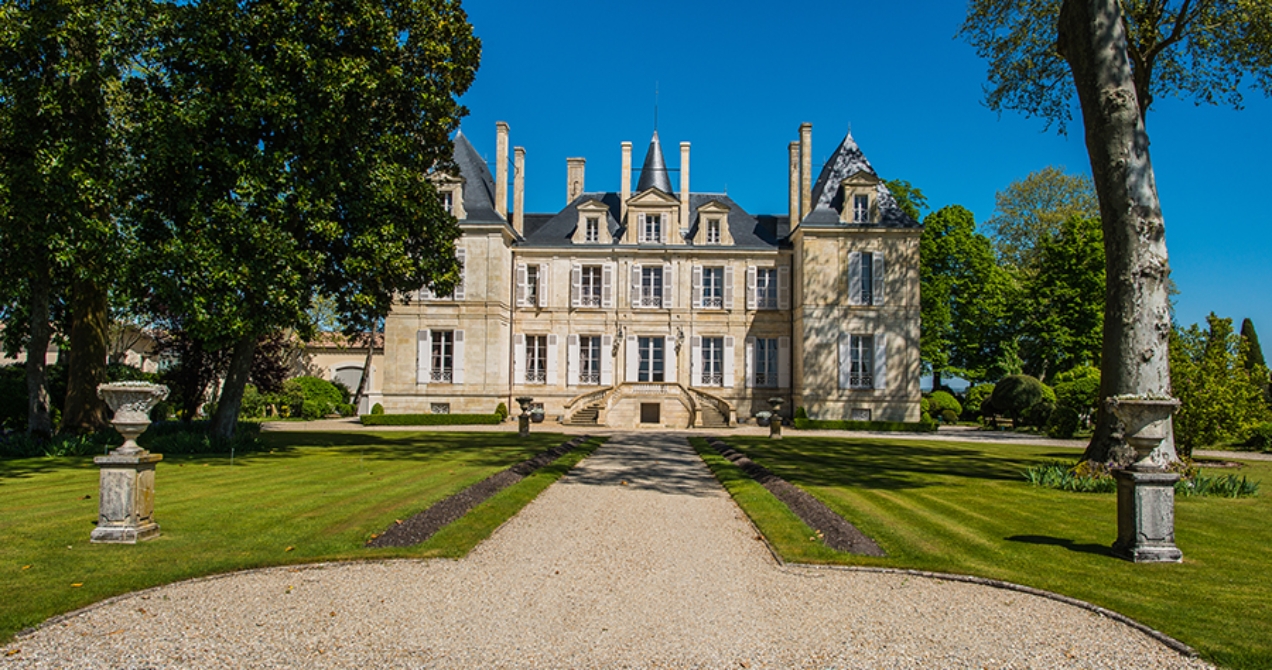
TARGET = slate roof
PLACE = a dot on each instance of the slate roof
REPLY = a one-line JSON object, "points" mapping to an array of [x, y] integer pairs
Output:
{"points": [[828, 198], [747, 230], [479, 185], [653, 174]]}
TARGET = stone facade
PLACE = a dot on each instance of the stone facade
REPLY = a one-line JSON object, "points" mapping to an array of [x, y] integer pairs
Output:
{"points": [[661, 309]]}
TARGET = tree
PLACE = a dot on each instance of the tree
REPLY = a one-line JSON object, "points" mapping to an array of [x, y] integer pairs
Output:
{"points": [[1255, 358], [1221, 398], [1119, 61], [965, 297], [1032, 209], [909, 198], [1063, 299], [288, 149]]}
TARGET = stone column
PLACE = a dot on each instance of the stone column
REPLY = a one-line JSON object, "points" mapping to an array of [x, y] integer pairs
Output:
{"points": [[501, 168]]}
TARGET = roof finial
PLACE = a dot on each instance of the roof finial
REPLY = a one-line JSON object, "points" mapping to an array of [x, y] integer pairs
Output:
{"points": [[655, 106]]}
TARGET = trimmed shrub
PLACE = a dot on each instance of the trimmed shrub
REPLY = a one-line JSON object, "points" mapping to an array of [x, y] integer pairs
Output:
{"points": [[949, 416], [1038, 415], [1261, 437], [940, 401], [975, 398], [927, 426], [429, 419], [1079, 388], [378, 409], [501, 410], [1063, 423], [925, 406], [1015, 394], [253, 405], [318, 397], [800, 413]]}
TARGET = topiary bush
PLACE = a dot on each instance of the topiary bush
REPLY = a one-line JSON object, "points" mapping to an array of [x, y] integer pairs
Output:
{"points": [[429, 419], [925, 406], [319, 397], [1038, 415], [1063, 423], [1015, 394], [974, 400], [501, 409], [1079, 388], [940, 401], [800, 413], [378, 409], [949, 416]]}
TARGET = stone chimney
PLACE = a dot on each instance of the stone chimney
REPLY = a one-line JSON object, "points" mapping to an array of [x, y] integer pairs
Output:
{"points": [[501, 168], [519, 190], [573, 178], [684, 185], [626, 181], [794, 185], [805, 169]]}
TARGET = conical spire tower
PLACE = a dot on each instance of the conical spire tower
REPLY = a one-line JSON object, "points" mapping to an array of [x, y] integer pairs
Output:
{"points": [[653, 174]]}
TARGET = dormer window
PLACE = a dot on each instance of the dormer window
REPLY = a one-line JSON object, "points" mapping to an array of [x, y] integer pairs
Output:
{"points": [[448, 202], [861, 208], [651, 231], [713, 231], [592, 232]]}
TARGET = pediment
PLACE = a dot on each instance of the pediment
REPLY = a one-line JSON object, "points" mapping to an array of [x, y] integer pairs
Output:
{"points": [[652, 196], [714, 207], [861, 178], [593, 205]]}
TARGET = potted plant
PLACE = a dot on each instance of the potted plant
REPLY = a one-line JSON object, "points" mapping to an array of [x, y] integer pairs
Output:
{"points": [[536, 415], [763, 418]]}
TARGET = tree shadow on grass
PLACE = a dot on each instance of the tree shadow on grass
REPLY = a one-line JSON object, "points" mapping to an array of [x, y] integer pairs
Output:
{"points": [[479, 449], [877, 464], [1097, 549]]}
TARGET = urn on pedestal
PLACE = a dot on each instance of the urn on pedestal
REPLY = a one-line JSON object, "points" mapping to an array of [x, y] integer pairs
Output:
{"points": [[126, 496], [523, 420], [1145, 492]]}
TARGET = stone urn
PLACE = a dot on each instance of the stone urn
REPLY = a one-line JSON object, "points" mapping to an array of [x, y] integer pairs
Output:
{"points": [[126, 494], [523, 420], [775, 421], [1145, 492]]}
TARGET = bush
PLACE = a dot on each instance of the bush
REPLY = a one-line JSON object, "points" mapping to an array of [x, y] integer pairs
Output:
{"points": [[1223, 486], [119, 372], [1260, 437], [13, 398], [949, 416], [429, 419], [1038, 415], [1079, 389], [20, 445], [176, 437], [975, 398], [800, 413], [308, 397], [1015, 394], [1063, 423], [927, 426], [253, 405], [379, 409], [501, 410], [1077, 479], [940, 401], [925, 406]]}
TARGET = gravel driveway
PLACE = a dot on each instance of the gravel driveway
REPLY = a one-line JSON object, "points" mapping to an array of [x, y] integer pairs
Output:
{"points": [[637, 558]]}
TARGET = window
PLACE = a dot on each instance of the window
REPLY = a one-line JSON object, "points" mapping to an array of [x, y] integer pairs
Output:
{"points": [[766, 362], [590, 360], [532, 285], [861, 208], [439, 408], [860, 414], [651, 287], [861, 362], [448, 202], [593, 231], [713, 231], [713, 288], [766, 288], [443, 357], [590, 286], [712, 361], [867, 279], [651, 359], [651, 233], [536, 359]]}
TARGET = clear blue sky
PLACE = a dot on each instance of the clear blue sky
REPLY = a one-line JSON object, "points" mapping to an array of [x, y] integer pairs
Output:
{"points": [[736, 79]]}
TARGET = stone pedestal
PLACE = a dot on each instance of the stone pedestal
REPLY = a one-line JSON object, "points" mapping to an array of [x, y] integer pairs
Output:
{"points": [[775, 428], [523, 425], [1146, 516], [126, 500]]}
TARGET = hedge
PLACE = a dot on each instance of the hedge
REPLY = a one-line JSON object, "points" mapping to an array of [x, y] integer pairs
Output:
{"points": [[890, 426], [429, 419]]}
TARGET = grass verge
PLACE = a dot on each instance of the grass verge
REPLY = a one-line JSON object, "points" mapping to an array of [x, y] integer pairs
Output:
{"points": [[310, 497], [966, 509]]}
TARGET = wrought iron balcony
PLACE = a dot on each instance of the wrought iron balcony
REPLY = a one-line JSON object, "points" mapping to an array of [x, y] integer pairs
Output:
{"points": [[536, 376], [441, 375]]}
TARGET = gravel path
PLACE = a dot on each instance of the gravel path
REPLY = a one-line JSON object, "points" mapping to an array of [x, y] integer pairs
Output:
{"points": [[637, 558]]}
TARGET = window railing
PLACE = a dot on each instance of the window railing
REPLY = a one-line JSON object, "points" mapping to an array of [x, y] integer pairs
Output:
{"points": [[861, 381], [650, 299], [713, 379], [441, 375], [536, 376], [589, 300], [589, 378], [709, 302], [766, 379]]}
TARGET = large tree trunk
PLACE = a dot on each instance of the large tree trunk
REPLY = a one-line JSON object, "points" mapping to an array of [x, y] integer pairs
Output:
{"points": [[86, 368], [227, 407], [1134, 358], [366, 370], [39, 421]]}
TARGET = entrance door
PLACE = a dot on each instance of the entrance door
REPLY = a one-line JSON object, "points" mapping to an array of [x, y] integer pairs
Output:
{"points": [[650, 412]]}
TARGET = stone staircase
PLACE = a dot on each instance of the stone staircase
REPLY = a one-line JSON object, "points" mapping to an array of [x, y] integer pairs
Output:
{"points": [[587, 415], [711, 417]]}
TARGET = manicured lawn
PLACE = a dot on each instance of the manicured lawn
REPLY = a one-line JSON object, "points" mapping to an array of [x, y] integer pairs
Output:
{"points": [[964, 508], [317, 497]]}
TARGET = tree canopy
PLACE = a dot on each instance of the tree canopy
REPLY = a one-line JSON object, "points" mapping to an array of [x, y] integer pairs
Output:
{"points": [[1061, 315], [1032, 209]]}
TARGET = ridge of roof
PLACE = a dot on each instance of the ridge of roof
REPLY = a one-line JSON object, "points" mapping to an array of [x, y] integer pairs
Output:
{"points": [[479, 184], [653, 174]]}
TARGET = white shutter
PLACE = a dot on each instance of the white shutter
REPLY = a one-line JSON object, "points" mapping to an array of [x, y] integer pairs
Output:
{"points": [[423, 356], [572, 361], [607, 360], [750, 287], [633, 359], [784, 362], [640, 229], [727, 369], [543, 284], [695, 361], [462, 255], [845, 360], [576, 285], [749, 352], [553, 345], [519, 359], [728, 287], [664, 223], [784, 287], [854, 278], [880, 362], [457, 359], [521, 284], [635, 285], [607, 286], [878, 278], [666, 297], [669, 359], [697, 287]]}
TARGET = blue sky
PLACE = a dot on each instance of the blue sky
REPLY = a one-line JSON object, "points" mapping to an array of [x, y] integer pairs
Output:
{"points": [[735, 79]]}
